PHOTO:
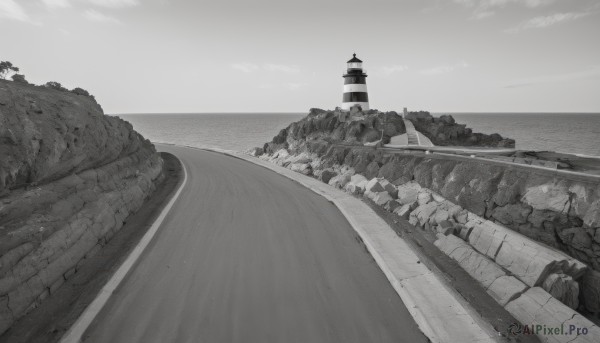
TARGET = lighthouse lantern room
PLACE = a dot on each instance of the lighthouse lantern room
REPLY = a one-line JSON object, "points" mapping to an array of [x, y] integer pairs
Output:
{"points": [[355, 86]]}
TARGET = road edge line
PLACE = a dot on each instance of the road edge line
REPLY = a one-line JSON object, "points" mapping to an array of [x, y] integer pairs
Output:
{"points": [[76, 331]]}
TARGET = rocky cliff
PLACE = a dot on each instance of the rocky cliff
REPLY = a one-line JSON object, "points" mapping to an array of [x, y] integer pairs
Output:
{"points": [[558, 210], [69, 178], [322, 126]]}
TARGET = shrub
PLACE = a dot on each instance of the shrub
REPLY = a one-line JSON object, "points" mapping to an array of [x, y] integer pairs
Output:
{"points": [[20, 78], [55, 85], [80, 91]]}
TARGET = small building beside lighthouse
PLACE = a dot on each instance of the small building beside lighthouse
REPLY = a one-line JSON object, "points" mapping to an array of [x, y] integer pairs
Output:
{"points": [[355, 86]]}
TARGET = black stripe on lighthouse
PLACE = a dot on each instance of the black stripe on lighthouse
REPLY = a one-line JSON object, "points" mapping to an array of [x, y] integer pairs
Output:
{"points": [[351, 79], [356, 97]]}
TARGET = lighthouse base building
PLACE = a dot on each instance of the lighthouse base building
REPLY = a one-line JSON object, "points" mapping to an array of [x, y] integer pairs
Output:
{"points": [[355, 86]]}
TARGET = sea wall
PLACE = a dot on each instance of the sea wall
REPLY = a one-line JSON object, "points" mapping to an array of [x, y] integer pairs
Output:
{"points": [[557, 210], [69, 178], [536, 283]]}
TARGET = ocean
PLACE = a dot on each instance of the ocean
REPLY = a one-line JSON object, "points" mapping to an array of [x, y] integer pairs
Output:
{"points": [[575, 133]]}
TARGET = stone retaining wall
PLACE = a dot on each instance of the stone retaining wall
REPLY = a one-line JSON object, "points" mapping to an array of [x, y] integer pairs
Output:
{"points": [[504, 261]]}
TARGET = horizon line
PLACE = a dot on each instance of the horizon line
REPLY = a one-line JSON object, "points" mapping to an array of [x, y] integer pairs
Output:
{"points": [[399, 112]]}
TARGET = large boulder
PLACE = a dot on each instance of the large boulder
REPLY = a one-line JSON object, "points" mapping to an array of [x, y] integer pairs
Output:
{"points": [[550, 196], [403, 211], [408, 192], [392, 205], [327, 175], [590, 288], [592, 215], [563, 288], [529, 261], [423, 197], [374, 186], [372, 170], [339, 181], [391, 189], [502, 287], [506, 288], [357, 184], [256, 152], [538, 307], [512, 214], [477, 265], [422, 214], [382, 198], [303, 168]]}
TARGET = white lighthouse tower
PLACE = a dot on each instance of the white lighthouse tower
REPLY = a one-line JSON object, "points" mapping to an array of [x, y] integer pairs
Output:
{"points": [[355, 86]]}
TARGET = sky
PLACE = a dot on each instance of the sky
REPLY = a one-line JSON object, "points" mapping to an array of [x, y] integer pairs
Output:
{"points": [[173, 56]]}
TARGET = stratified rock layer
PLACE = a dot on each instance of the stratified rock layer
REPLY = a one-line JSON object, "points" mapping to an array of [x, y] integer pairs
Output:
{"points": [[69, 178]]}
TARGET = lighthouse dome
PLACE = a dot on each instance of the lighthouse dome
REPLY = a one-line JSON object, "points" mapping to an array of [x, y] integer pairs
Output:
{"points": [[354, 59], [354, 63]]}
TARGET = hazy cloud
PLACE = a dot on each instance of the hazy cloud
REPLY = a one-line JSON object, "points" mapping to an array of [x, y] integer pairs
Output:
{"points": [[482, 15], [56, 3], [444, 69], [545, 21], [282, 68], [487, 8], [502, 3], [93, 15], [245, 67], [9, 9], [295, 86], [115, 3], [589, 73], [388, 70]]}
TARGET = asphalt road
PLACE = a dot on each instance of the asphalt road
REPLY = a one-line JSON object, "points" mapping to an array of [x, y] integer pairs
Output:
{"points": [[246, 255]]}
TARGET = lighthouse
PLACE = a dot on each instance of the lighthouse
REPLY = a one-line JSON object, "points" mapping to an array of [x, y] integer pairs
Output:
{"points": [[355, 86]]}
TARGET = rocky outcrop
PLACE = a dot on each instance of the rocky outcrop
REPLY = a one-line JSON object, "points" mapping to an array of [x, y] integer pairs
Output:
{"points": [[46, 134], [69, 178], [322, 127], [444, 130]]}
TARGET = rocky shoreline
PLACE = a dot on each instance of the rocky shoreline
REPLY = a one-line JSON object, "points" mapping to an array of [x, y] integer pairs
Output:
{"points": [[524, 235], [70, 177]]}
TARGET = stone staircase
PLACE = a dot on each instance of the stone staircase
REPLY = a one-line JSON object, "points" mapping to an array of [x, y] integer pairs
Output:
{"points": [[411, 133]]}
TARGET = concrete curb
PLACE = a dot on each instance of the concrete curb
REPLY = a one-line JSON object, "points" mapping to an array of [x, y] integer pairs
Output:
{"points": [[434, 306], [75, 333]]}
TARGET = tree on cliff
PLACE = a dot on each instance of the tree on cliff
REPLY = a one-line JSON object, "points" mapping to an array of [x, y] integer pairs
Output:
{"points": [[5, 68], [19, 78], [80, 91]]}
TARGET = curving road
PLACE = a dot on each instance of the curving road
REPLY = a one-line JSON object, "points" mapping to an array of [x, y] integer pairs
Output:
{"points": [[246, 255]]}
